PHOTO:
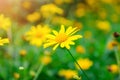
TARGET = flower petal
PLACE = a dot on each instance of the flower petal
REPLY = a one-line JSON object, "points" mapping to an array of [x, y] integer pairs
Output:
{"points": [[62, 29], [54, 48], [62, 44], [48, 44], [75, 37], [55, 32], [70, 30]]}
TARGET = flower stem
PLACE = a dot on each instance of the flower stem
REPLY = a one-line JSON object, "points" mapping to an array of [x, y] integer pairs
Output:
{"points": [[78, 64], [39, 71], [117, 59]]}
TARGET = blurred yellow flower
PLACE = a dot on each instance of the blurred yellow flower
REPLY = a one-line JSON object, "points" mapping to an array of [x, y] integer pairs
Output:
{"points": [[61, 20], [33, 17], [37, 34], [68, 74], [62, 38], [46, 59], [49, 10], [26, 4], [111, 45], [22, 52], [108, 1], [3, 41], [104, 26], [16, 75], [59, 2], [5, 22], [84, 63], [113, 68], [91, 2], [80, 49], [80, 10]]}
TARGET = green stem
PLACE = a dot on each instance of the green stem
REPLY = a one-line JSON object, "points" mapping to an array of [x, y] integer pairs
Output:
{"points": [[78, 64], [117, 59], [39, 71]]}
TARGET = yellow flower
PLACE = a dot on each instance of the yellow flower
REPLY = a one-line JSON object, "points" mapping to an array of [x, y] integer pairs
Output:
{"points": [[108, 1], [23, 52], [26, 4], [80, 49], [103, 25], [61, 20], [49, 10], [5, 22], [33, 17], [113, 68], [3, 41], [91, 2], [68, 74], [80, 11], [46, 60], [16, 75], [37, 35], [111, 45], [62, 38], [84, 63], [59, 2]]}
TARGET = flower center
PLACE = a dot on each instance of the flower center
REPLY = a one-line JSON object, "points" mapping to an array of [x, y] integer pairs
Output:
{"points": [[39, 35], [61, 38]]}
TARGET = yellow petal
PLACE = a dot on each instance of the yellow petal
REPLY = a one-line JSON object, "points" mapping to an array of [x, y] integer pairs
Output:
{"points": [[74, 31], [72, 43], [48, 44], [62, 29], [70, 30], [75, 37], [67, 46], [55, 32], [54, 48], [50, 36], [6, 40], [62, 44]]}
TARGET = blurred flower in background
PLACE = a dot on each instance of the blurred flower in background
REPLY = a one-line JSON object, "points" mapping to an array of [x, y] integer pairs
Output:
{"points": [[37, 35], [68, 74], [5, 23], [113, 68], [85, 63], [3, 41]]}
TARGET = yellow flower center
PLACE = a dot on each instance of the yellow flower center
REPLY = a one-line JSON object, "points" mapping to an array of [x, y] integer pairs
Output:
{"points": [[61, 38], [39, 35]]}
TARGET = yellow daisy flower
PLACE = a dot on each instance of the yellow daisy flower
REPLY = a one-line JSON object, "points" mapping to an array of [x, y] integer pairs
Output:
{"points": [[37, 35], [113, 68], [33, 17], [84, 63], [46, 60], [2, 41], [68, 74], [49, 10], [5, 22], [62, 38]]}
